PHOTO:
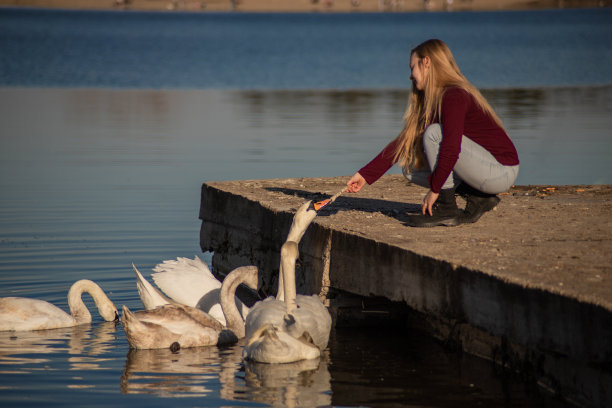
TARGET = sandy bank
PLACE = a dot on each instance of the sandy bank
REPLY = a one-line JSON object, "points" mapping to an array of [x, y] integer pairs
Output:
{"points": [[310, 5]]}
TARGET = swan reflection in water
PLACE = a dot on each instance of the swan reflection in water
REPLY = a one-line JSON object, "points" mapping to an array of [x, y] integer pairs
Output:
{"points": [[187, 372], [23, 351], [192, 372], [306, 383]]}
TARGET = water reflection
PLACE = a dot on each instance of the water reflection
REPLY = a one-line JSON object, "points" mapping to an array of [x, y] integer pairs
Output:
{"points": [[301, 384], [202, 371], [89, 108], [181, 138], [391, 369], [518, 108], [166, 374], [398, 367], [84, 344]]}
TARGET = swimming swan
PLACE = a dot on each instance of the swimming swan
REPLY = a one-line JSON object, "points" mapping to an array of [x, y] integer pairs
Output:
{"points": [[176, 325], [185, 281], [21, 314], [291, 327]]}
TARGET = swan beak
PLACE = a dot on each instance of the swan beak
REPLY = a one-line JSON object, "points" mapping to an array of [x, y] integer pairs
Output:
{"points": [[319, 204]]}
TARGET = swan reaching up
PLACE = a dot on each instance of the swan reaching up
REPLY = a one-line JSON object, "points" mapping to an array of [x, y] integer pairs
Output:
{"points": [[185, 281], [21, 314], [291, 327], [175, 325]]}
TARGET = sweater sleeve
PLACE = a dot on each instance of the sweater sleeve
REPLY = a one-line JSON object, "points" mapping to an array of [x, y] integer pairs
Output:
{"points": [[454, 109], [380, 164]]}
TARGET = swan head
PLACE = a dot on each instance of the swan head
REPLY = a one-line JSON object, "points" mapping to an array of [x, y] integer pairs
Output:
{"points": [[109, 312], [301, 220], [247, 275]]}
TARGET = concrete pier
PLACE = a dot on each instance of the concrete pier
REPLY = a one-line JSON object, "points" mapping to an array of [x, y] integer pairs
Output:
{"points": [[529, 286]]}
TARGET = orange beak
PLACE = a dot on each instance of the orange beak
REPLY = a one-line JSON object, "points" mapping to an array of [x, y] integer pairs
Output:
{"points": [[320, 204]]}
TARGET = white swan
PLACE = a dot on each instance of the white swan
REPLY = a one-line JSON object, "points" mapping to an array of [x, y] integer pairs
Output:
{"points": [[185, 281], [17, 313], [175, 325], [149, 295], [291, 327]]}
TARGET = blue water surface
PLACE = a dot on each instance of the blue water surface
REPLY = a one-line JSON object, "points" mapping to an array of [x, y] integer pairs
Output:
{"points": [[290, 51]]}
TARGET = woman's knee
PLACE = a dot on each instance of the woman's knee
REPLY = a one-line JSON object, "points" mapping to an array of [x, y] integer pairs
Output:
{"points": [[433, 134], [499, 184], [417, 176]]}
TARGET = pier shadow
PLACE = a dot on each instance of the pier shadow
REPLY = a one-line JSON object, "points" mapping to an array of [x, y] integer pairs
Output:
{"points": [[394, 209]]}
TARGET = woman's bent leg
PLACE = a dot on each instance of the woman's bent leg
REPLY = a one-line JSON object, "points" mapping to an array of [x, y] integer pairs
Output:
{"points": [[483, 177], [478, 168], [431, 144], [418, 177], [475, 165]]}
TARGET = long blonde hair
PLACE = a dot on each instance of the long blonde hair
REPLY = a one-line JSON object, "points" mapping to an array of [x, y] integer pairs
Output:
{"points": [[426, 106]]}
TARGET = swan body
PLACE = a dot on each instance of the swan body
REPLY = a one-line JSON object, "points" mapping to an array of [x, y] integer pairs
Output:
{"points": [[273, 336], [175, 324], [185, 281], [310, 316], [166, 325], [291, 327], [24, 314]]}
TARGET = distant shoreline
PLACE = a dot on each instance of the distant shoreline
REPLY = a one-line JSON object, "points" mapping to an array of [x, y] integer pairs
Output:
{"points": [[308, 6]]}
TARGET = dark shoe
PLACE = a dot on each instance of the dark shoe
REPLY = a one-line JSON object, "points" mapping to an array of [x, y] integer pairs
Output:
{"points": [[477, 203], [445, 212]]}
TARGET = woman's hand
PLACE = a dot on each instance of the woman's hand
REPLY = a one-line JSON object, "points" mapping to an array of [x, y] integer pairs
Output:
{"points": [[355, 183], [429, 201]]}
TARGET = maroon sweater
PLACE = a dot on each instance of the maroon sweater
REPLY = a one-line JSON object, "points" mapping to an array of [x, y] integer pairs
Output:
{"points": [[460, 116]]}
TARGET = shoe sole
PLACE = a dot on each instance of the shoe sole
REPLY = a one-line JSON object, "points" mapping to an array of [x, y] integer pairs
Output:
{"points": [[450, 222]]}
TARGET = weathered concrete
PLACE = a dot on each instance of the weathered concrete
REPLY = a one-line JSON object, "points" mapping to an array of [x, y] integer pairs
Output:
{"points": [[528, 286]]}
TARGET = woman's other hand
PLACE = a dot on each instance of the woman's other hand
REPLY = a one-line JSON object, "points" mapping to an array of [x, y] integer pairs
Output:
{"points": [[355, 183], [429, 201]]}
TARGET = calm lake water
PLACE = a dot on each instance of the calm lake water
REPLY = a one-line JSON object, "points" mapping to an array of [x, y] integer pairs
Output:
{"points": [[111, 121]]}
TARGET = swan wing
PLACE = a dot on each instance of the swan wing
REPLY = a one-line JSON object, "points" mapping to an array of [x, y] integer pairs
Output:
{"points": [[265, 312], [149, 295], [313, 317], [24, 314], [211, 304], [178, 316], [185, 280]]}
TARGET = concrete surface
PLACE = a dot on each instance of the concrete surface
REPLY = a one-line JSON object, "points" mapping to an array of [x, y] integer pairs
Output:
{"points": [[528, 286]]}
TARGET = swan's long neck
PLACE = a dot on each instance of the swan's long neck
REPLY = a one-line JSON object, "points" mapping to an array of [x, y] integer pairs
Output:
{"points": [[280, 293], [233, 319], [301, 220], [79, 311], [289, 254]]}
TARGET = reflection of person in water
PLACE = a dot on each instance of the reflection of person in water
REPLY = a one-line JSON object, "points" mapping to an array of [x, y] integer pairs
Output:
{"points": [[452, 142]]}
